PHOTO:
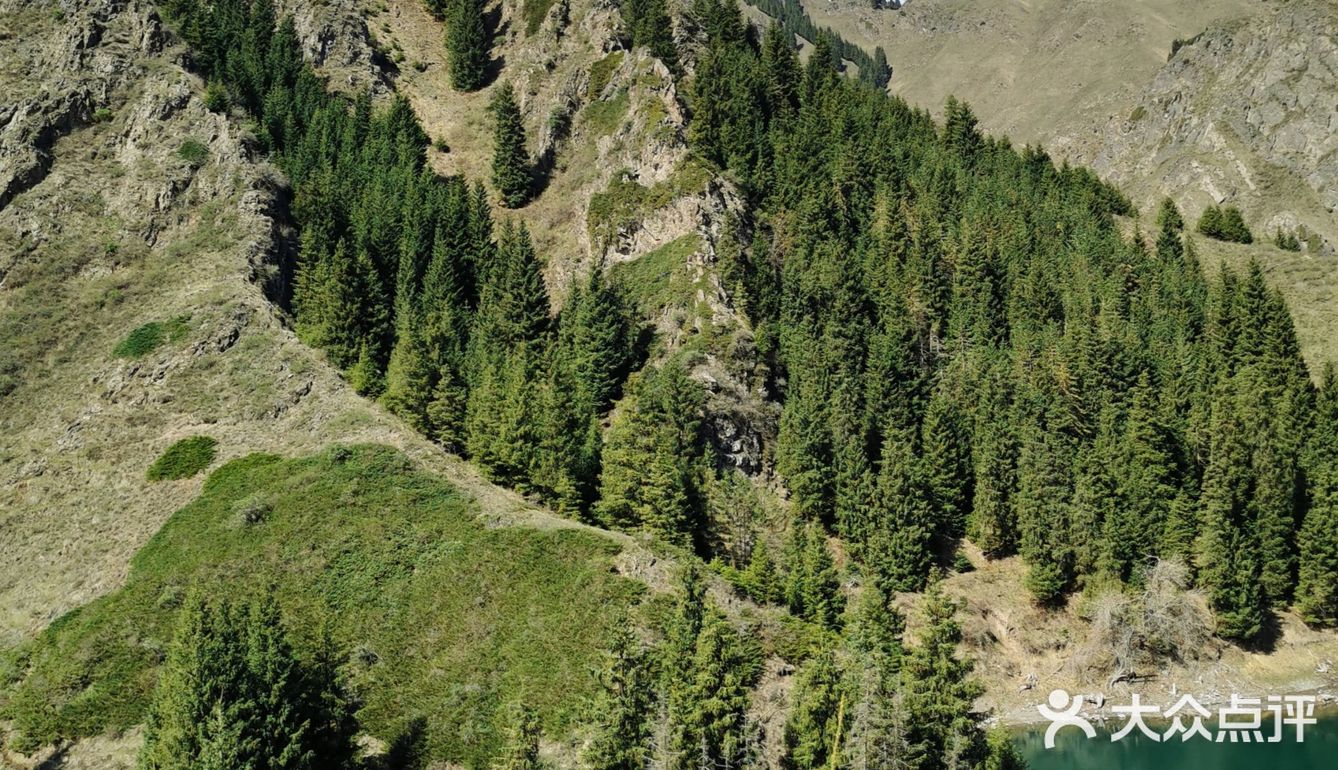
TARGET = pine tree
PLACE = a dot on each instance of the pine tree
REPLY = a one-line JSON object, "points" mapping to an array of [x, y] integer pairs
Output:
{"points": [[513, 302], [1168, 217], [466, 44], [938, 690], [811, 729], [522, 750], [654, 459], [510, 162], [760, 576], [901, 551], [621, 742], [1002, 754], [946, 445], [1146, 486], [1044, 489], [781, 63], [595, 339], [1228, 555], [233, 694], [715, 730], [1317, 587], [822, 600], [804, 451], [651, 27], [409, 378]]}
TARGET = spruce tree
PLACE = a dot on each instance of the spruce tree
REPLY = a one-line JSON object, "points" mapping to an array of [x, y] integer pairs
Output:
{"points": [[715, 730], [233, 694], [811, 730], [946, 445], [654, 459], [409, 378], [822, 600], [901, 551], [1228, 554], [466, 44], [510, 161], [1317, 590], [939, 691], [623, 733], [522, 749]]}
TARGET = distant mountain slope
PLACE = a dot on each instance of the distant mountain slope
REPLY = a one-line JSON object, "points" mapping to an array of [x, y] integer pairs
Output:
{"points": [[1036, 70], [1245, 115]]}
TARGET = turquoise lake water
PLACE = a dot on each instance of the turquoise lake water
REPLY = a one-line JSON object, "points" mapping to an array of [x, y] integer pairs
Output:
{"points": [[1074, 751]]}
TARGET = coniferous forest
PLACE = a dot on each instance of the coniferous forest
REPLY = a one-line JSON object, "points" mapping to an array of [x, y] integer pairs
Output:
{"points": [[967, 342]]}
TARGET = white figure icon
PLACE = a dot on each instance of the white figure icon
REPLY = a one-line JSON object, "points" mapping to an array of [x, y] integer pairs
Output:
{"points": [[1063, 712]]}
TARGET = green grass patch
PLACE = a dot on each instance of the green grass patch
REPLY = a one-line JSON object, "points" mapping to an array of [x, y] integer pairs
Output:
{"points": [[444, 618], [194, 152], [600, 74], [184, 459], [605, 116], [659, 278], [535, 11], [147, 338], [627, 201]]}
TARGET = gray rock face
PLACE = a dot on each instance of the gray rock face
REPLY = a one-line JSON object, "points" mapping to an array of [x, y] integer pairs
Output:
{"points": [[79, 66], [1237, 111]]}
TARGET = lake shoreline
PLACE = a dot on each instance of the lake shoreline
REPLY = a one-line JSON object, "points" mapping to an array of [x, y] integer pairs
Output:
{"points": [[1023, 718]]}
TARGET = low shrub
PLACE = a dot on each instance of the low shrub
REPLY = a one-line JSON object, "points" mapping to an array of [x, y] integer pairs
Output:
{"points": [[183, 459]]}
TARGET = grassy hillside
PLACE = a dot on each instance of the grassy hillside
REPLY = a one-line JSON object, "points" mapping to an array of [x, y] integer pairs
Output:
{"points": [[446, 619], [1034, 70]]}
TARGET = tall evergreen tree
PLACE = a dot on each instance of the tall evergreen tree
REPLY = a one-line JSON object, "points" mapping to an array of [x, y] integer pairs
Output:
{"points": [[467, 44], [811, 730], [939, 692], [522, 750], [622, 739], [233, 694], [510, 161]]}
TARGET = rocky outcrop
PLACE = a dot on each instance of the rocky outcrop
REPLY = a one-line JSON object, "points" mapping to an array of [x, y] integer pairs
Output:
{"points": [[335, 40], [79, 65], [1233, 113]]}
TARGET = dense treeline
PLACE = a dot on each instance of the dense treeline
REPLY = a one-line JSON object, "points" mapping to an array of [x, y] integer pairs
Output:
{"points": [[964, 344], [234, 694], [794, 20], [403, 282], [684, 701], [968, 347]]}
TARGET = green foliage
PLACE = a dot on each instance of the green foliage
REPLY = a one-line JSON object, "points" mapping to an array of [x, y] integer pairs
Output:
{"points": [[467, 43], [623, 729], [510, 162], [441, 623], [648, 22], [1287, 241], [604, 116], [654, 461], [194, 152], [522, 750], [183, 459], [216, 98], [234, 694], [534, 13], [1225, 224], [600, 74], [789, 15], [939, 693], [147, 338], [627, 201], [811, 730]]}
